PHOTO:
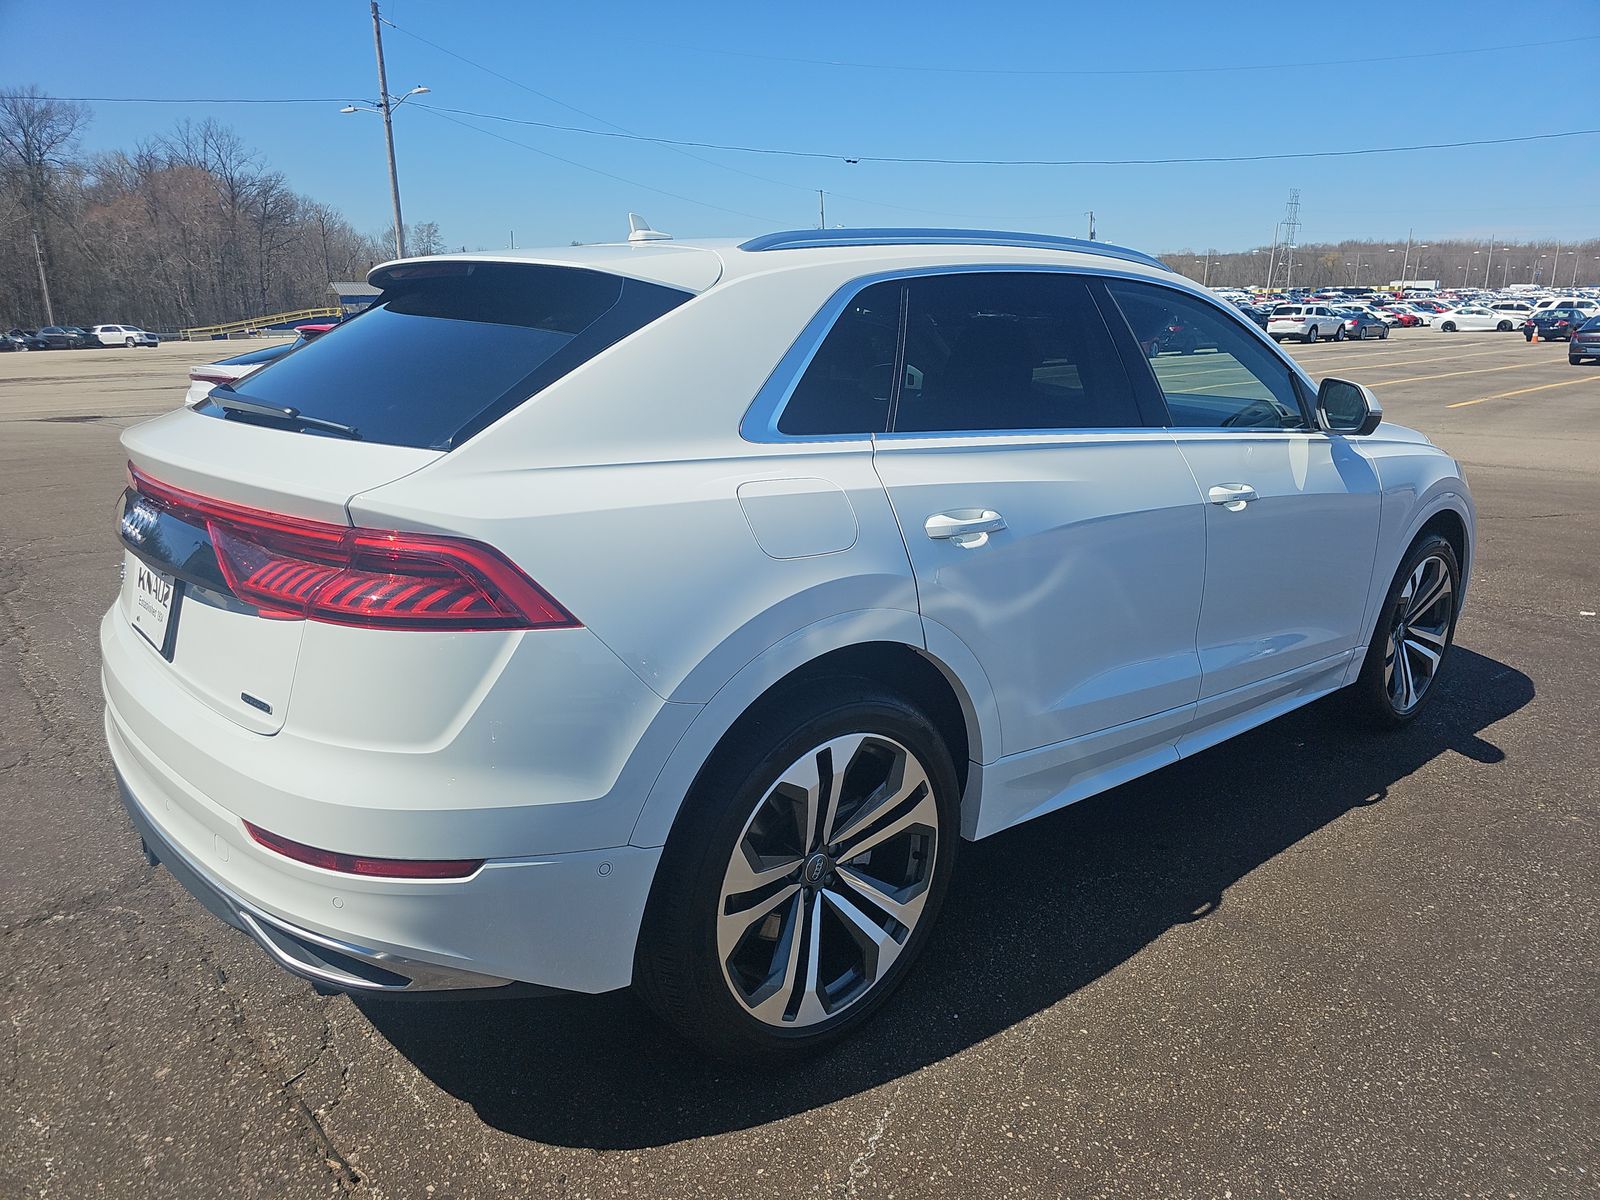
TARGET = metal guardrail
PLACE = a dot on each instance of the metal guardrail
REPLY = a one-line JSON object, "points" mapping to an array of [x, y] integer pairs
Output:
{"points": [[226, 328]]}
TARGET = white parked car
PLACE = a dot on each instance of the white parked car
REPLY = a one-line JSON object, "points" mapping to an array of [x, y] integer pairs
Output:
{"points": [[666, 613], [1472, 317], [1307, 322], [124, 335]]}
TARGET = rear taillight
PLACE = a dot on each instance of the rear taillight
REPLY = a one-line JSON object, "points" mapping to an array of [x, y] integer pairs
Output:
{"points": [[360, 864], [297, 569]]}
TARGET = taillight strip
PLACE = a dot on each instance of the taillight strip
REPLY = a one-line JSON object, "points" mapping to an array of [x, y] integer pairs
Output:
{"points": [[301, 569]]}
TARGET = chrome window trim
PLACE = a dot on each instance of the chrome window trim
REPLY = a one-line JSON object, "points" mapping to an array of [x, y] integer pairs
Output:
{"points": [[811, 239], [760, 422]]}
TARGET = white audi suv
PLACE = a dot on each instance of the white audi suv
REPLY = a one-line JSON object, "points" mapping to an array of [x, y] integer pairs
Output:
{"points": [[666, 613]]}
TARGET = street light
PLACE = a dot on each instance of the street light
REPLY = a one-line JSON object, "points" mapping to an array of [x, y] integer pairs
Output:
{"points": [[385, 108]]}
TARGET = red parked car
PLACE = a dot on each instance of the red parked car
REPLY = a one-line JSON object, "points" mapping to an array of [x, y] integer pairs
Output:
{"points": [[1406, 319]]}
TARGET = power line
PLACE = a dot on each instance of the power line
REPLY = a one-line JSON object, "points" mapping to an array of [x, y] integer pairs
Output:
{"points": [[186, 99], [853, 158], [920, 68], [622, 131], [443, 115]]}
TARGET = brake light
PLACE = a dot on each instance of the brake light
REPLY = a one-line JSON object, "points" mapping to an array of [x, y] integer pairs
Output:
{"points": [[359, 864], [292, 568]]}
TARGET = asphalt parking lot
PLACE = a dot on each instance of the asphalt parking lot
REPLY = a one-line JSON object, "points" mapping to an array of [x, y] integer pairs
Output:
{"points": [[1310, 962]]}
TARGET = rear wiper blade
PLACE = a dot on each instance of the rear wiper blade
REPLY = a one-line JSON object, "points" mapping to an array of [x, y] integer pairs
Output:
{"points": [[231, 401]]}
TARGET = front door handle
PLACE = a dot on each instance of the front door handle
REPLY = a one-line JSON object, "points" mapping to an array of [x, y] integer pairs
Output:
{"points": [[1232, 496], [968, 527]]}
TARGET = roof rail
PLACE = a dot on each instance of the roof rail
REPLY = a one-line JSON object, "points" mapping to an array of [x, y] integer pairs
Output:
{"points": [[802, 239]]}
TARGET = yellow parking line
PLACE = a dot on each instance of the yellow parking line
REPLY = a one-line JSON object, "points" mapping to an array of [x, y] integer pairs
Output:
{"points": [[1524, 391], [1410, 359], [1450, 374]]}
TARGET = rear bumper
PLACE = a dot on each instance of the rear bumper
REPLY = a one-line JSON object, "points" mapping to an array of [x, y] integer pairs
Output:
{"points": [[564, 922], [328, 962]]}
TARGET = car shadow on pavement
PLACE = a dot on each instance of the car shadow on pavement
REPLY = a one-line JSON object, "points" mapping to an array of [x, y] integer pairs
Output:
{"points": [[1033, 915]]}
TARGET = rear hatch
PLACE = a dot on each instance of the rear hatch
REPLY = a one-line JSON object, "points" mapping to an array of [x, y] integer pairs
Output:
{"points": [[236, 525]]}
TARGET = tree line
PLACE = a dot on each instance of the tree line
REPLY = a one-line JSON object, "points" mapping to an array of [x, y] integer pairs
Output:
{"points": [[1454, 262], [188, 228]]}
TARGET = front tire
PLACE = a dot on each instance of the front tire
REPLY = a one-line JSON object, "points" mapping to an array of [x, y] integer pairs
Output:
{"points": [[804, 873], [1338, 333], [1415, 630], [1503, 327]]}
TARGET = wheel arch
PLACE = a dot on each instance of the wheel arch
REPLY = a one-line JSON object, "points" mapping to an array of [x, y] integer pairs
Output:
{"points": [[944, 681]]}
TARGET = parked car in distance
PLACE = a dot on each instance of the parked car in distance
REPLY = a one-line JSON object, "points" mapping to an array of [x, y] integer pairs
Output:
{"points": [[230, 370], [1585, 343], [415, 681], [124, 335], [1257, 314], [1362, 325], [1308, 322], [27, 339], [62, 337], [1403, 317], [1584, 304], [1472, 317], [1513, 310], [1554, 324]]}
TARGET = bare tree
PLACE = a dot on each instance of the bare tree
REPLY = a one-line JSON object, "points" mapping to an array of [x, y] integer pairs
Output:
{"points": [[37, 136]]}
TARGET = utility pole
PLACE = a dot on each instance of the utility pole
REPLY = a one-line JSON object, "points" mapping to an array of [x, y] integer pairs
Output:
{"points": [[44, 284], [1272, 258], [1489, 262], [1405, 268], [387, 105], [822, 210], [1090, 215]]}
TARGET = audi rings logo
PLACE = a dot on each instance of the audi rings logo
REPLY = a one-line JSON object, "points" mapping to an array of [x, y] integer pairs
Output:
{"points": [[137, 523]]}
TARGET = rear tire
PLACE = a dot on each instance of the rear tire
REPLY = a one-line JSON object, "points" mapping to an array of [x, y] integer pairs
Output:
{"points": [[1415, 630], [129, 343], [1311, 335], [731, 974], [1448, 327]]}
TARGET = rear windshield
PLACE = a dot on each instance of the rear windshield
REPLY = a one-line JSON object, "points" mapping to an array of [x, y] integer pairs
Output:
{"points": [[446, 351]]}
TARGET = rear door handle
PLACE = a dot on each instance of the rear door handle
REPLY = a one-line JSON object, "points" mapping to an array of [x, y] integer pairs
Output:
{"points": [[964, 526], [1232, 496]]}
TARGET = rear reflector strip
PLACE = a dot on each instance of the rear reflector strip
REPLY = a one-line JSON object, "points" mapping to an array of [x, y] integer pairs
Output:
{"points": [[292, 568], [357, 864]]}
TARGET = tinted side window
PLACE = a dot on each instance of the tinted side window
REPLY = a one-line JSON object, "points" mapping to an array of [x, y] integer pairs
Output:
{"points": [[845, 388], [1000, 351], [1220, 375]]}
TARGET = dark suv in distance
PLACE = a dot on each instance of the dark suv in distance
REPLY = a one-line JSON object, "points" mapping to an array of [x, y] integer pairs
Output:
{"points": [[63, 337]]}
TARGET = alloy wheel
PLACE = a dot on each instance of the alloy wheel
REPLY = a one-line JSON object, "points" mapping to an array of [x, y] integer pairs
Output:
{"points": [[1419, 634], [827, 880]]}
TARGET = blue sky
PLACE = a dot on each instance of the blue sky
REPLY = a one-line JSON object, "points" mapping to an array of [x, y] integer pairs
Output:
{"points": [[704, 72]]}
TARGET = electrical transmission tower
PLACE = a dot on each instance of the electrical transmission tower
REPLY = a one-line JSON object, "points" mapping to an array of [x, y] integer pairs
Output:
{"points": [[1290, 238]]}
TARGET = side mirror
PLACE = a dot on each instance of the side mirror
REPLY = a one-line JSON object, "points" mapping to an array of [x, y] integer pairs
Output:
{"points": [[1345, 407]]}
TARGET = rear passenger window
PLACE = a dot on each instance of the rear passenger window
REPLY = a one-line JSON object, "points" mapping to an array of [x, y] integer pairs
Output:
{"points": [[845, 389], [991, 352], [1214, 373]]}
